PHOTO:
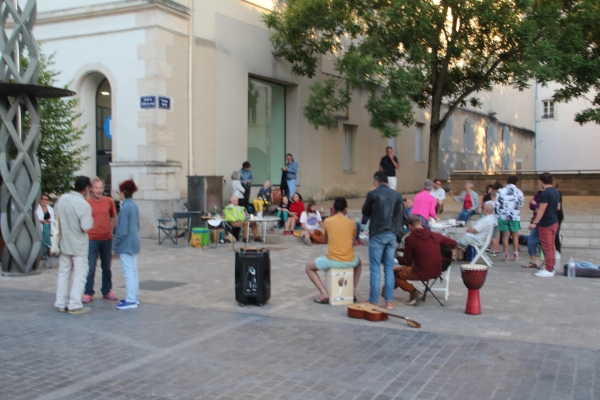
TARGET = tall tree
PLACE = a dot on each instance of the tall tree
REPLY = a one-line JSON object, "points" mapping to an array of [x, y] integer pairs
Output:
{"points": [[60, 152], [569, 54], [426, 52]]}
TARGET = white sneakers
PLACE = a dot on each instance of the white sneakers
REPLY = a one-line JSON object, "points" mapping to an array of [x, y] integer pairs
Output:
{"points": [[544, 273]]}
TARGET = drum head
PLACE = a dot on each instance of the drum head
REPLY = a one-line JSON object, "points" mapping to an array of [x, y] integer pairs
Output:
{"points": [[477, 267], [214, 222]]}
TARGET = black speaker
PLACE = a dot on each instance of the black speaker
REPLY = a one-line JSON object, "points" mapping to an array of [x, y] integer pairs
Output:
{"points": [[252, 276]]}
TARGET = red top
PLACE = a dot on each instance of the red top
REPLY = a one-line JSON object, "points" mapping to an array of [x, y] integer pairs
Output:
{"points": [[102, 212], [422, 251], [297, 207], [468, 203]]}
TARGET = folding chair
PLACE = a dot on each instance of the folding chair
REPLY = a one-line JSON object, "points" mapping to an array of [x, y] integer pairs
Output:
{"points": [[444, 276], [481, 250], [170, 226]]}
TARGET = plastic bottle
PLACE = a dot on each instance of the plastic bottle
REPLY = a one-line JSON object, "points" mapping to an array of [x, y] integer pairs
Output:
{"points": [[571, 268]]}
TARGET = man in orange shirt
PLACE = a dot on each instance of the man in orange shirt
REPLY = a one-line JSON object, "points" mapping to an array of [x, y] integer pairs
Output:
{"points": [[104, 213], [339, 232]]}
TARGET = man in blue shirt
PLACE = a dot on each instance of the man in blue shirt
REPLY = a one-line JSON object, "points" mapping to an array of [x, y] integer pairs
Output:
{"points": [[246, 180], [291, 167]]}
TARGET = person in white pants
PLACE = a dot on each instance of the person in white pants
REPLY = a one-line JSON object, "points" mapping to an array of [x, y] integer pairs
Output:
{"points": [[74, 216], [389, 164]]}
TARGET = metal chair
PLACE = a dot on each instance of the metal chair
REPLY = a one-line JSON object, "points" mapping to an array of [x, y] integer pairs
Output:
{"points": [[171, 225]]}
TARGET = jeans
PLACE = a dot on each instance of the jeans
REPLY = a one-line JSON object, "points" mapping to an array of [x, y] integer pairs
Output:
{"points": [[358, 226], [291, 188], [533, 242], [466, 214], [70, 266], [104, 249], [382, 248], [130, 272]]}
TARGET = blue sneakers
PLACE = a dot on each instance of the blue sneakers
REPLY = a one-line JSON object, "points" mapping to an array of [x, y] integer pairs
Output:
{"points": [[124, 305]]}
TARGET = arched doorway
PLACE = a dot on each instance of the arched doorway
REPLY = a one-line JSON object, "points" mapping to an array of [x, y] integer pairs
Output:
{"points": [[104, 132]]}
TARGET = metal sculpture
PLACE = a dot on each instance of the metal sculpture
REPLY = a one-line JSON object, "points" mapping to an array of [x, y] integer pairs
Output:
{"points": [[19, 165]]}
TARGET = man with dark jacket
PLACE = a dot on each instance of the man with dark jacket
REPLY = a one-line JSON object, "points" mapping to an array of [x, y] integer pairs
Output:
{"points": [[422, 259], [385, 208]]}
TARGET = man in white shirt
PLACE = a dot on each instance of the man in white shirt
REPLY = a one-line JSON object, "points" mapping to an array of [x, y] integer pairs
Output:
{"points": [[440, 195], [477, 234]]}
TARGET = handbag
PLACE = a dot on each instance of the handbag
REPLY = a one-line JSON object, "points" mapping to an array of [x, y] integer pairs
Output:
{"points": [[317, 237]]}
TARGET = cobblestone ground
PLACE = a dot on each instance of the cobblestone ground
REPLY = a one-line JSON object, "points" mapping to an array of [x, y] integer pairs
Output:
{"points": [[536, 338]]}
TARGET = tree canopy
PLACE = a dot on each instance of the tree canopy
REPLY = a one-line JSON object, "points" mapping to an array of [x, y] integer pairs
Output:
{"points": [[429, 53], [569, 53], [60, 153]]}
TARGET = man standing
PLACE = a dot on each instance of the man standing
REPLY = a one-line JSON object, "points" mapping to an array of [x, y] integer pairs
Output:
{"points": [[74, 216], [339, 232], [246, 180], [104, 213], [386, 209], [508, 207], [422, 259], [477, 234], [440, 196], [389, 165], [546, 221], [291, 168]]}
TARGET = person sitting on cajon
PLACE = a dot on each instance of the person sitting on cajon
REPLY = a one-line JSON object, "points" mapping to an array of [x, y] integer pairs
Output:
{"points": [[422, 259], [339, 232]]}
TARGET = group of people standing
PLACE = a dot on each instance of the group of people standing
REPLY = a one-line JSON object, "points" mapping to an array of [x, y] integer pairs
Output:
{"points": [[85, 226]]}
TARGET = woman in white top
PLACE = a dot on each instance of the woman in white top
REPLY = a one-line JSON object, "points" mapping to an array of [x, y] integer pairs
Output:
{"points": [[45, 213], [311, 221], [237, 188]]}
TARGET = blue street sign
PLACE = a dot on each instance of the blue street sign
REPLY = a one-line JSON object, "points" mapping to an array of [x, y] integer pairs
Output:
{"points": [[148, 102], [107, 131], [164, 102]]}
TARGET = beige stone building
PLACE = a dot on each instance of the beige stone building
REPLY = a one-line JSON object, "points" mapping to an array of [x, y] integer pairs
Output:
{"points": [[170, 88]]}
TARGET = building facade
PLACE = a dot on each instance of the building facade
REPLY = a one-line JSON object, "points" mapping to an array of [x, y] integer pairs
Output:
{"points": [[561, 143], [170, 88]]}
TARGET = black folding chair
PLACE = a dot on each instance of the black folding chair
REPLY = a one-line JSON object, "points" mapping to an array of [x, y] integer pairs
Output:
{"points": [[170, 227]]}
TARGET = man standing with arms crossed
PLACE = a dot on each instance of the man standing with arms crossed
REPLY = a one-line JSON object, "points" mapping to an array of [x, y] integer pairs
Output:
{"points": [[546, 221], [104, 213], [389, 164], [386, 209], [74, 216]]}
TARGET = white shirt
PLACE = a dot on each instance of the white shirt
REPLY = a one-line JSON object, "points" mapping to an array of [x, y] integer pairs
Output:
{"points": [[311, 221], [439, 194], [483, 226]]}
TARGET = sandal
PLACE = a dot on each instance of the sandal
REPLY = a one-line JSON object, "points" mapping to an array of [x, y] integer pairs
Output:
{"points": [[529, 265], [319, 301]]}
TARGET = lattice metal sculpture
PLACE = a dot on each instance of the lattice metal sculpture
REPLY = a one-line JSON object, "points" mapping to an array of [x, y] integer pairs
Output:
{"points": [[19, 166]]}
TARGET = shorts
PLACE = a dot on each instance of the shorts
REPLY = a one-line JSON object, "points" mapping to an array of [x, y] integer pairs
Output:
{"points": [[509, 226], [323, 263]]}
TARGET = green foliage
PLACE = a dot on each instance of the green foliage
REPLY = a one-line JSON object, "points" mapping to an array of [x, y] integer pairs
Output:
{"points": [[323, 101], [406, 52], [59, 152], [569, 53]]}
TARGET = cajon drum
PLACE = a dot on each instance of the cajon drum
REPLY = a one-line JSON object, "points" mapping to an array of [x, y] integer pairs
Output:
{"points": [[340, 286]]}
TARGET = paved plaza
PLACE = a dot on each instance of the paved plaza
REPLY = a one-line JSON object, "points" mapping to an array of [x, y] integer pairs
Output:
{"points": [[536, 338]]}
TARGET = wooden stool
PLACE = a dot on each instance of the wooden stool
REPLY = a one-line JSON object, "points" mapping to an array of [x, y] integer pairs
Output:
{"points": [[339, 283]]}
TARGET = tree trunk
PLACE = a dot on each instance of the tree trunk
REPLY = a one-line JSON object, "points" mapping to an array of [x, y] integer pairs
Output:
{"points": [[434, 150]]}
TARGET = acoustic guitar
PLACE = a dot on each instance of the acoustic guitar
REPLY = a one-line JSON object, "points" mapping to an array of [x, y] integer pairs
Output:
{"points": [[373, 314]]}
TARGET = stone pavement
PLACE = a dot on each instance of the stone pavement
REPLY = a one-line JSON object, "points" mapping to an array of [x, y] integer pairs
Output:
{"points": [[537, 338]]}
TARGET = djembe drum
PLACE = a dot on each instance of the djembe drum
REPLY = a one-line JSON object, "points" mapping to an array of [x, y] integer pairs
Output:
{"points": [[473, 276]]}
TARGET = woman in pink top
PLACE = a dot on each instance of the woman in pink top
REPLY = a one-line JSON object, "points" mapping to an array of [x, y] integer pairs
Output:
{"points": [[424, 204]]}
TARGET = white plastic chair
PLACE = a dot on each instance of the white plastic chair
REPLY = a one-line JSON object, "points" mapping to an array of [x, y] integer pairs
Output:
{"points": [[481, 250]]}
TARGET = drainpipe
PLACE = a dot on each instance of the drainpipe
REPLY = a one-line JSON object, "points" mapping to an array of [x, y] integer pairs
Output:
{"points": [[190, 91]]}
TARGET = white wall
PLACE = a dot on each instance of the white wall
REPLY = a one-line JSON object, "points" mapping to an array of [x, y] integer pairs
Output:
{"points": [[561, 143]]}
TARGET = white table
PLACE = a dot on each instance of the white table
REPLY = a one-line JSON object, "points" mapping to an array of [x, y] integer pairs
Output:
{"points": [[265, 223], [443, 228]]}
